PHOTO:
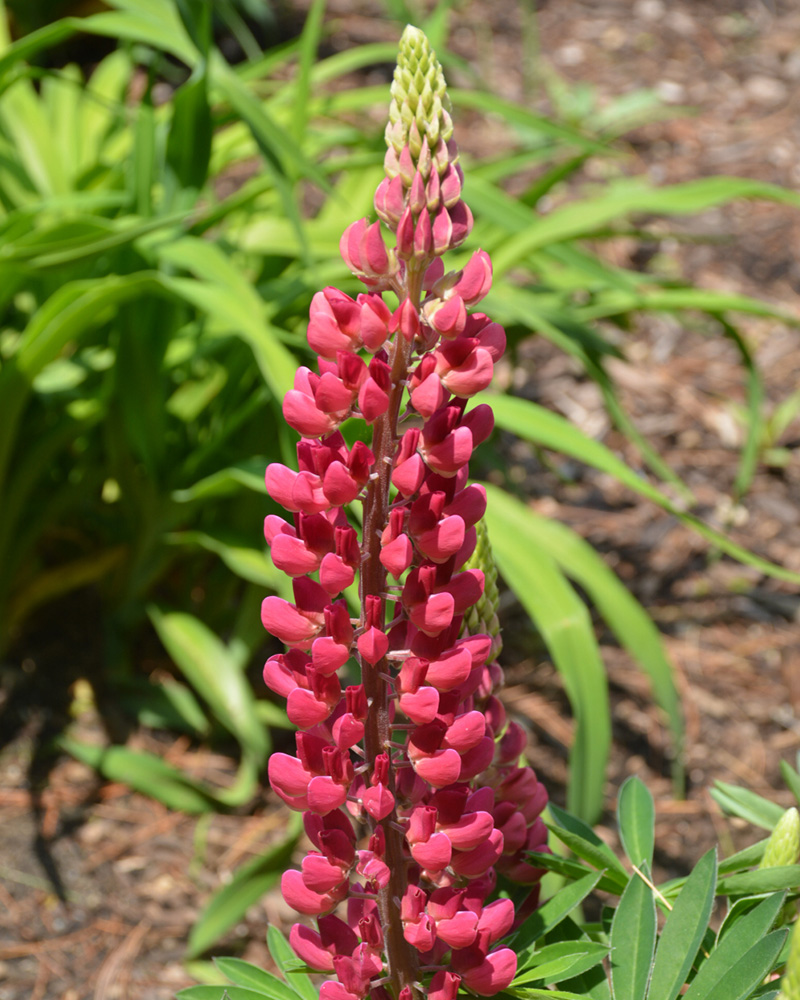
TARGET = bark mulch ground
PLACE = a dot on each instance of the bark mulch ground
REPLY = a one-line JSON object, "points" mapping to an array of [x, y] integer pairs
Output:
{"points": [[99, 887]]}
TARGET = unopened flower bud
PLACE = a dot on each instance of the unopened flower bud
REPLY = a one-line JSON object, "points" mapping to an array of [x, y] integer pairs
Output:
{"points": [[783, 846]]}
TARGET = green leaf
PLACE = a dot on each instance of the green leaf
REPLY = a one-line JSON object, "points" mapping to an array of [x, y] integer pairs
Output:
{"points": [[792, 779], [144, 773], [549, 430], [209, 666], [218, 993], [585, 842], [734, 944], [761, 880], [248, 474], [555, 962], [250, 882], [582, 217], [284, 957], [636, 817], [245, 974], [746, 804], [745, 858], [551, 913], [253, 565], [633, 940], [564, 623], [190, 133], [625, 616], [309, 42], [684, 930], [737, 981]]}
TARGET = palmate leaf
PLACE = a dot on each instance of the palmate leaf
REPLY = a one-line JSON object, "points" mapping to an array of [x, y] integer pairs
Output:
{"points": [[563, 622], [636, 819], [286, 960], [633, 940], [248, 975], [684, 930], [733, 945], [746, 804], [550, 915], [562, 960]]}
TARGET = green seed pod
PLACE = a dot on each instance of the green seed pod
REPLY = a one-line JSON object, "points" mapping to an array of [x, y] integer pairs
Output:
{"points": [[482, 616], [783, 846], [420, 107], [790, 984]]}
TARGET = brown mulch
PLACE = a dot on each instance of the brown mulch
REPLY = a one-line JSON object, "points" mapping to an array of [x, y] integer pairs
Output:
{"points": [[99, 887]]}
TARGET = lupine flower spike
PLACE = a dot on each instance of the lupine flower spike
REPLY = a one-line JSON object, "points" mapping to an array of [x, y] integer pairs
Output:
{"points": [[410, 781]]}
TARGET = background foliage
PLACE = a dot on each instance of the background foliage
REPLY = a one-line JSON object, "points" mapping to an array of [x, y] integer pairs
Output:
{"points": [[164, 222]]}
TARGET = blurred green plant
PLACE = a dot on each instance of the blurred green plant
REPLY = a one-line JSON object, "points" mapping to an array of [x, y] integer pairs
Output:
{"points": [[159, 254]]}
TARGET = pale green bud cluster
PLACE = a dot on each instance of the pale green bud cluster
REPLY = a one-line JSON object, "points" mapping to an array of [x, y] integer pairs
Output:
{"points": [[790, 984], [420, 105], [783, 846], [482, 616]]}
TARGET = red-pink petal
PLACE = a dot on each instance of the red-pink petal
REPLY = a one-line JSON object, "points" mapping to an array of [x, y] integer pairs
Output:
{"points": [[325, 795], [493, 974], [422, 706], [439, 770], [433, 854], [308, 947], [304, 710], [378, 801], [373, 645]]}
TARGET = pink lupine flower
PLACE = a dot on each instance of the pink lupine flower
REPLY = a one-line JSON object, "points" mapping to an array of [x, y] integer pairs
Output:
{"points": [[409, 780]]}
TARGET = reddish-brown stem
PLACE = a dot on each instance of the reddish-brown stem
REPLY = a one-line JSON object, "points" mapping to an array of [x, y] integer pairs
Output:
{"points": [[402, 958]]}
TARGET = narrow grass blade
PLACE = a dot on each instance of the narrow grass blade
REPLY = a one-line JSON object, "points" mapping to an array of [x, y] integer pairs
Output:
{"points": [[564, 623], [624, 615], [548, 429]]}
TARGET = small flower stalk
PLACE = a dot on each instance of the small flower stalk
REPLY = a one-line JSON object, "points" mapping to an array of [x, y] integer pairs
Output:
{"points": [[409, 778]]}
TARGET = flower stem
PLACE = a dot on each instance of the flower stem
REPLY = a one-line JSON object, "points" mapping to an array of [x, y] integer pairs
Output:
{"points": [[402, 958]]}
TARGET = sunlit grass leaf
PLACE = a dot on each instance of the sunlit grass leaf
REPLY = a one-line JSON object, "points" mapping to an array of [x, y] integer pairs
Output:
{"points": [[564, 624], [733, 945], [584, 216], [250, 882], [144, 773], [684, 930], [253, 565], [633, 940], [214, 673], [248, 473], [628, 620], [636, 819], [549, 430]]}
